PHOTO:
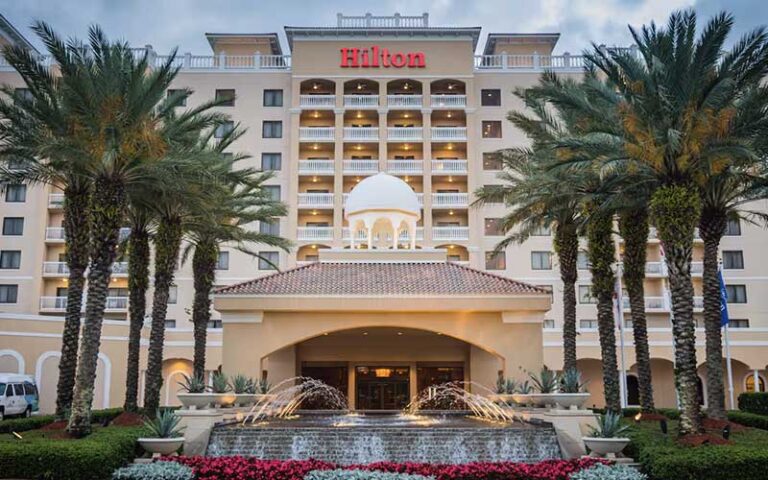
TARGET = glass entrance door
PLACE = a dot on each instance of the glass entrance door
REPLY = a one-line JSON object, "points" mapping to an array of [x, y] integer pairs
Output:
{"points": [[382, 388]]}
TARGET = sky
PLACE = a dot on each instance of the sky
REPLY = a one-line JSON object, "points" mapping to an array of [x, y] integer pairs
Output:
{"points": [[166, 24]]}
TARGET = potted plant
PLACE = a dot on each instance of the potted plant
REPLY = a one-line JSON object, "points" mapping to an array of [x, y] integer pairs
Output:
{"points": [[505, 388], [165, 434], [545, 383], [524, 393], [606, 439], [245, 390], [263, 388], [224, 396], [193, 393], [572, 394]]}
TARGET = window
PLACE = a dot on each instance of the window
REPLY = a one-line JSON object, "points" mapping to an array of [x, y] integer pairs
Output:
{"points": [[19, 389], [749, 383], [493, 227], [495, 261], [585, 294], [273, 191], [178, 91], [733, 260], [733, 228], [10, 259], [585, 324], [268, 260], [736, 293], [224, 129], [214, 324], [272, 129], [549, 323], [16, 193], [9, 293], [22, 94], [271, 161], [173, 295], [490, 97], [542, 231], [222, 263], [170, 323], [582, 260], [492, 161], [30, 389], [119, 292], [9, 391], [491, 129], [541, 260], [273, 98], [13, 226], [226, 97], [738, 323], [269, 228]]}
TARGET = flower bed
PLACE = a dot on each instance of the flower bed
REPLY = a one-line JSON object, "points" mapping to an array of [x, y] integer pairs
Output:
{"points": [[246, 468]]}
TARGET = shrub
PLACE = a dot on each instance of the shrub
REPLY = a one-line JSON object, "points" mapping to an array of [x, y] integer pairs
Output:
{"points": [[164, 425], [754, 403], [340, 474], [154, 471], [32, 423], [609, 472], [749, 419]]}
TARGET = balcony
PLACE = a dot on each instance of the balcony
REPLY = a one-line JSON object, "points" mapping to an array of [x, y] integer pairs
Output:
{"points": [[317, 134], [316, 167], [404, 101], [55, 201], [450, 200], [125, 232], [534, 62], [55, 269], [361, 167], [360, 235], [361, 134], [120, 269], [316, 200], [454, 134], [317, 101], [314, 233], [405, 167], [59, 304], [449, 167], [652, 304], [697, 269], [54, 234], [419, 196], [450, 233], [405, 134], [361, 101], [448, 101]]}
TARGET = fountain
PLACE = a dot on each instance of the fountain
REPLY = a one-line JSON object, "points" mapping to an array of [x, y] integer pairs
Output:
{"points": [[444, 424]]}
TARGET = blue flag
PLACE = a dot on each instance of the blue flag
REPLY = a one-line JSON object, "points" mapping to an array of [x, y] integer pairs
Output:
{"points": [[724, 320]]}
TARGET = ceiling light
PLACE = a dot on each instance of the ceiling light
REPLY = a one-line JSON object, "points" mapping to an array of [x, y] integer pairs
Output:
{"points": [[399, 333], [359, 86], [365, 333], [450, 212], [315, 86]]}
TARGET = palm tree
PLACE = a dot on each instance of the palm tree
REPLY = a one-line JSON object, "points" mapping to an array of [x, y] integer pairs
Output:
{"points": [[35, 136], [676, 103]]}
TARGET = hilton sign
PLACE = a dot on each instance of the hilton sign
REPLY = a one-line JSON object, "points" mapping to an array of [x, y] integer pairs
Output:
{"points": [[375, 57]]}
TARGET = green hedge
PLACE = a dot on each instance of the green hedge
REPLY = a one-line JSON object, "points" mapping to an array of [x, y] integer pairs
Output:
{"points": [[670, 413], [749, 419], [754, 403], [41, 455], [25, 424]]}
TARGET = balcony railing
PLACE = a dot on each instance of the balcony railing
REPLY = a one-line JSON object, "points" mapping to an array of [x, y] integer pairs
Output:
{"points": [[120, 269], [361, 167], [324, 134], [419, 196], [697, 268], [113, 304], [404, 101], [382, 21], [449, 133], [314, 233], [54, 234], [449, 167], [361, 235], [316, 200], [56, 200], [448, 101], [450, 233], [408, 134], [655, 304], [55, 269], [361, 101], [450, 200], [316, 167], [361, 134], [317, 101], [532, 62], [405, 166]]}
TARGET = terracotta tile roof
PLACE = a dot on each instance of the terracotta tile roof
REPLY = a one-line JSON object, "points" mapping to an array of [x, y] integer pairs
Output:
{"points": [[369, 278]]}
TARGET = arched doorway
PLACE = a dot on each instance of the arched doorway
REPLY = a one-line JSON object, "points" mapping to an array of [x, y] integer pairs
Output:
{"points": [[633, 390]]}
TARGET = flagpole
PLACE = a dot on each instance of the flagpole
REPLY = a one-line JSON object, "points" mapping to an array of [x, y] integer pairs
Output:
{"points": [[620, 318], [729, 367], [725, 323], [668, 300]]}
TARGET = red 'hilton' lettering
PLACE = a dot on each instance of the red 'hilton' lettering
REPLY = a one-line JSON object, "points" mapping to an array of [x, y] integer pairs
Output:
{"points": [[377, 56]]}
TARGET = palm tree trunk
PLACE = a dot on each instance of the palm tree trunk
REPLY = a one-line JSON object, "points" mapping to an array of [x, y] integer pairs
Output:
{"points": [[204, 272], [675, 211], [712, 227], [567, 249], [633, 226], [138, 282], [76, 198], [602, 255], [167, 245], [108, 203]]}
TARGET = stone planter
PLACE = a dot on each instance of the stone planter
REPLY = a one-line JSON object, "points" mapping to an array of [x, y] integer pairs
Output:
{"points": [[196, 401], [225, 400], [244, 399], [502, 397], [522, 398], [161, 446], [543, 399], [572, 401], [605, 447]]}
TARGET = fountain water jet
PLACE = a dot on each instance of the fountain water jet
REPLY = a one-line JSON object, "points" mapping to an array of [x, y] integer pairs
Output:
{"points": [[282, 400], [456, 394]]}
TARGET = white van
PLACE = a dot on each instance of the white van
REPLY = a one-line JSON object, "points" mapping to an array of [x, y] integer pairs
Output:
{"points": [[18, 395]]}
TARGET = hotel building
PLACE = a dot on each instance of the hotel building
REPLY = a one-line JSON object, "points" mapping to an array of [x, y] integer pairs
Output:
{"points": [[423, 104]]}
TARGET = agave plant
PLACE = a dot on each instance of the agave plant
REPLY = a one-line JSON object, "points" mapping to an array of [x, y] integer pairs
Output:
{"points": [[242, 384], [263, 386], [164, 425], [524, 388], [192, 384], [510, 386], [570, 382], [609, 425], [220, 383], [546, 381], [501, 385]]}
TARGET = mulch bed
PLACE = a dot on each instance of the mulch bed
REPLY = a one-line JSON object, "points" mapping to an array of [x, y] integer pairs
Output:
{"points": [[719, 425], [128, 419], [58, 425], [702, 439]]}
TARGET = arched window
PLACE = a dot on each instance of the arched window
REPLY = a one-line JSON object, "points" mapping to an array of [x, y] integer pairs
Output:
{"points": [[749, 383], [633, 390]]}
